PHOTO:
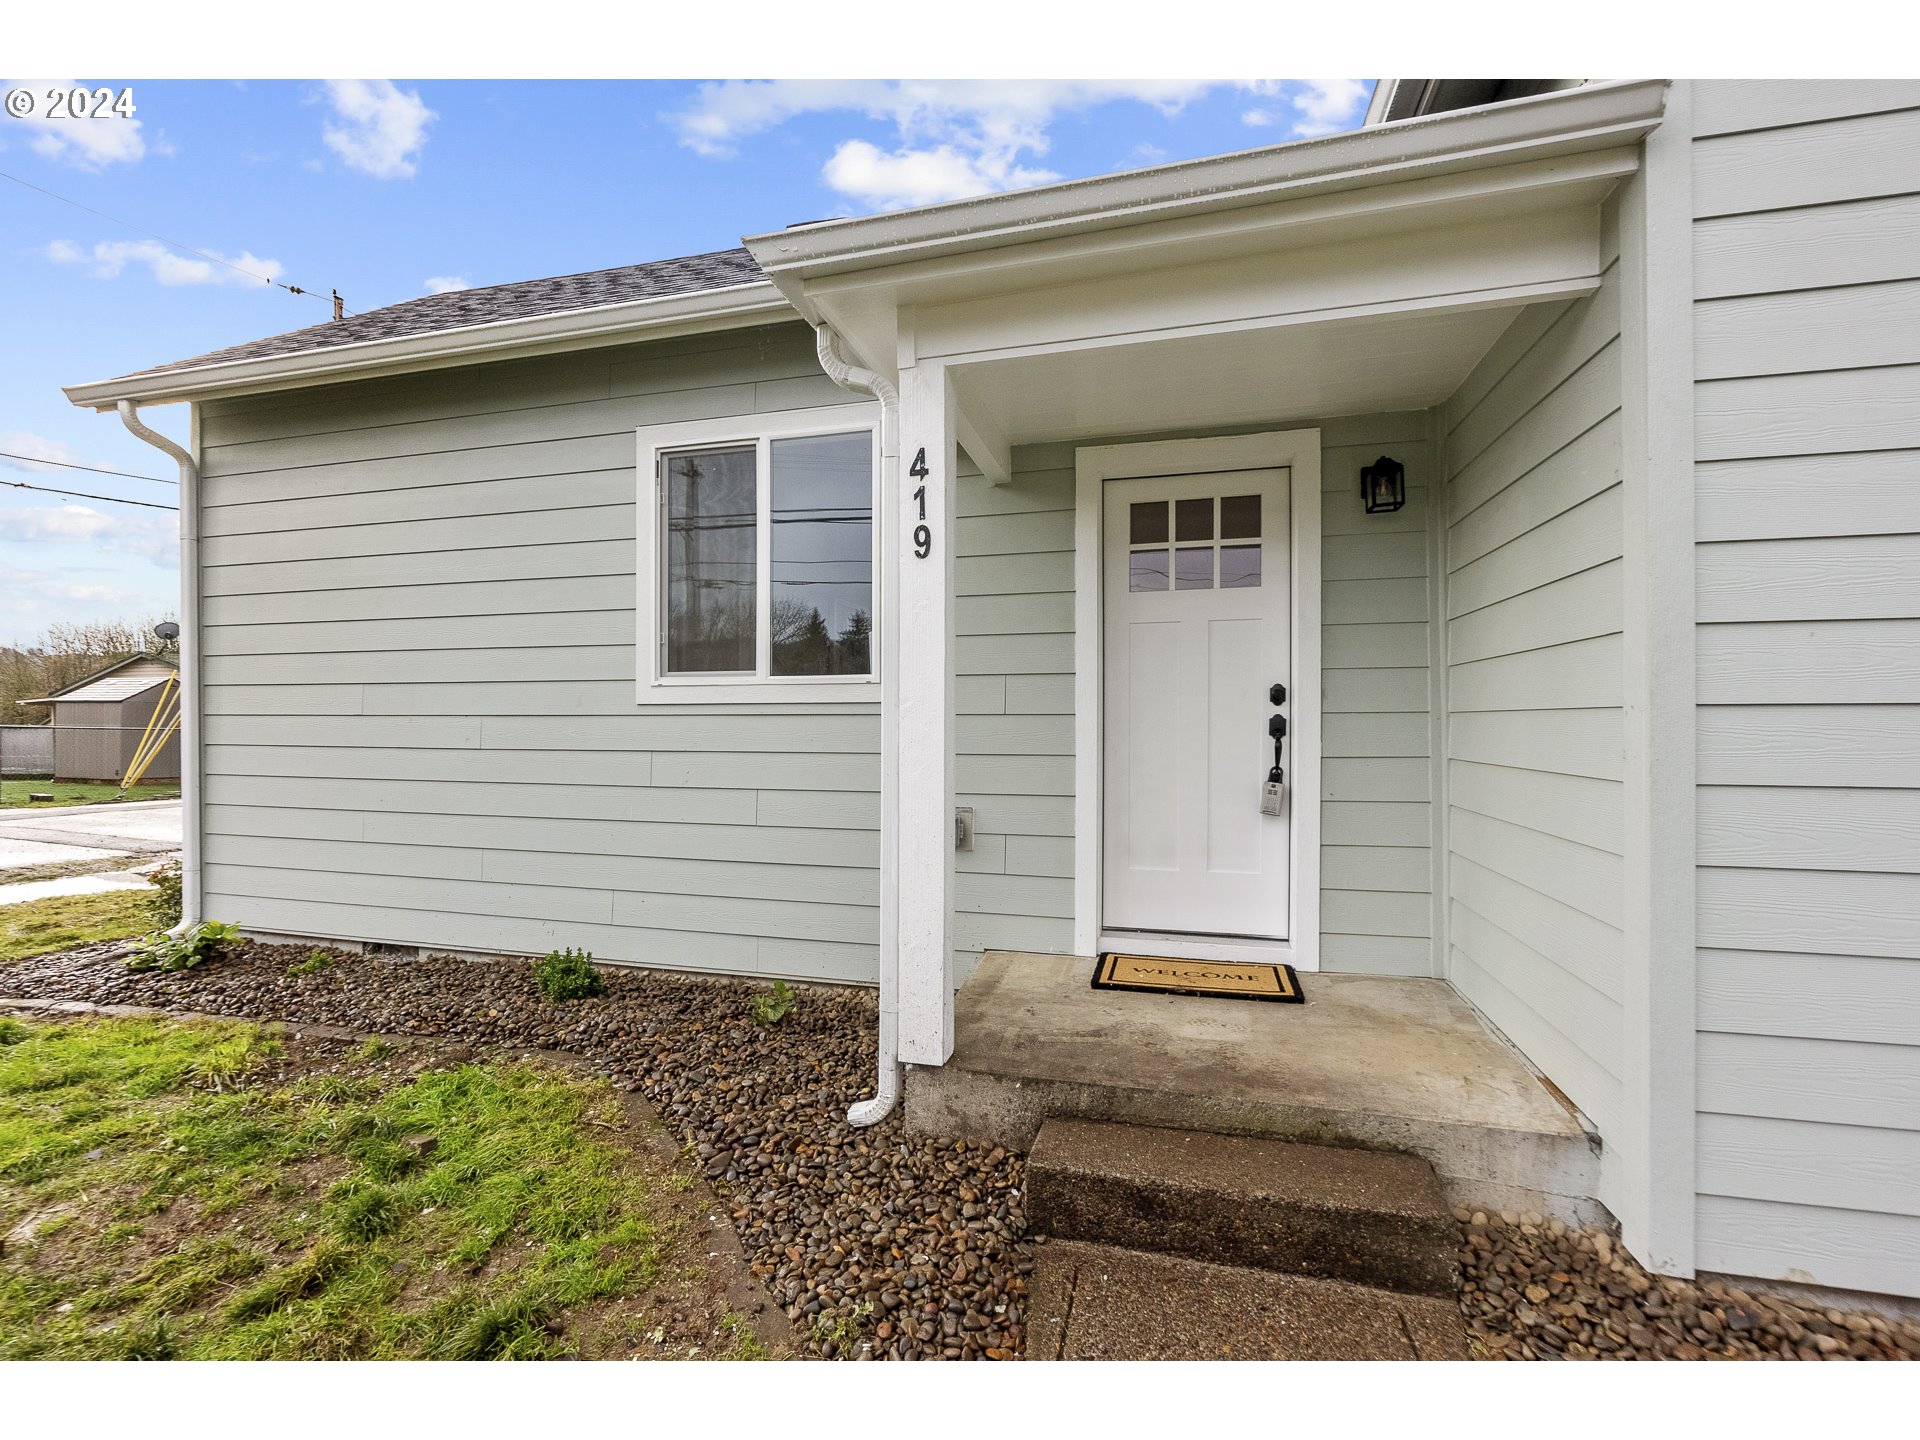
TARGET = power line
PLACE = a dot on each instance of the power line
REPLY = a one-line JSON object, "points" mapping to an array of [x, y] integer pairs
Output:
{"points": [[171, 244], [86, 495], [69, 465]]}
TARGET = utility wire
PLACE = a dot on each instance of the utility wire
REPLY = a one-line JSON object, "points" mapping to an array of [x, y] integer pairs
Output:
{"points": [[171, 244], [86, 495], [95, 469]]}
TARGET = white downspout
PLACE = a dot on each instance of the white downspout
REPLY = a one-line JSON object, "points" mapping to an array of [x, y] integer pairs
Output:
{"points": [[189, 661], [867, 382]]}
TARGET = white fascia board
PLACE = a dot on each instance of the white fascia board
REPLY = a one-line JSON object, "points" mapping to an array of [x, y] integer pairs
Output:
{"points": [[659, 318], [1567, 122]]}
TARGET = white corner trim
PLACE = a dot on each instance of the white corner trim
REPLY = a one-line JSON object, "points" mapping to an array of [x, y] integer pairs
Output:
{"points": [[652, 687], [1657, 1212], [1299, 452]]}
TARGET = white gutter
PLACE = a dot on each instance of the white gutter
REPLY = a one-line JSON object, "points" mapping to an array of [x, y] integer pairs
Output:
{"points": [[658, 318], [866, 382], [189, 660], [1567, 122]]}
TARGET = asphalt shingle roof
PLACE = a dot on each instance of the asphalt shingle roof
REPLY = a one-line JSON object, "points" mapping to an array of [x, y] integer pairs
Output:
{"points": [[520, 300]]}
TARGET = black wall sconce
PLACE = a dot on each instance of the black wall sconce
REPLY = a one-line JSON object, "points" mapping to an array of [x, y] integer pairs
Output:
{"points": [[1383, 485]]}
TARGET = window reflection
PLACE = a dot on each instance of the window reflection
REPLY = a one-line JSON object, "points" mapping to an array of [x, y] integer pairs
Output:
{"points": [[710, 560], [821, 511]]}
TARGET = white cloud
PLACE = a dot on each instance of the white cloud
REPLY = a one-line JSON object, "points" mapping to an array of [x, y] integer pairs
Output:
{"points": [[1316, 107], [109, 257], [893, 180], [45, 596], [88, 143], [444, 284], [152, 534], [35, 447], [956, 137], [379, 128]]}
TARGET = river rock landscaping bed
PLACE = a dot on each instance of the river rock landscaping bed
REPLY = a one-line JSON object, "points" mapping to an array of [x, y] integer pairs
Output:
{"points": [[1533, 1289], [882, 1245]]}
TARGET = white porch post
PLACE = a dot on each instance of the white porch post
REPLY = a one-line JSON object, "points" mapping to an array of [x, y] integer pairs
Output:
{"points": [[923, 834]]}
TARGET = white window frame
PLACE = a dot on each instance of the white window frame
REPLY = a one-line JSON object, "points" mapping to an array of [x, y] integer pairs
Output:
{"points": [[656, 687]]}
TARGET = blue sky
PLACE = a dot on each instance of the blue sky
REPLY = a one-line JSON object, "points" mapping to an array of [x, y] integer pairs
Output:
{"points": [[386, 189]]}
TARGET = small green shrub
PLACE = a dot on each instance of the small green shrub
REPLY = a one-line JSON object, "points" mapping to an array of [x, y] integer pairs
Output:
{"points": [[316, 961], [770, 1007], [12, 1032], [567, 975], [161, 951], [163, 906]]}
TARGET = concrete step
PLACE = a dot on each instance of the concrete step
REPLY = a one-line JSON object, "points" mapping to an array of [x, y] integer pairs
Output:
{"points": [[1362, 1216], [1096, 1302], [1376, 1062]]}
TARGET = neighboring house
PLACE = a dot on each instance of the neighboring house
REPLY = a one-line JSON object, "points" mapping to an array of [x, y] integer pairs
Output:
{"points": [[609, 611], [98, 722]]}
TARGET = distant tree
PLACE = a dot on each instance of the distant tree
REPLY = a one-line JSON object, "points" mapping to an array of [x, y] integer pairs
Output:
{"points": [[65, 653], [856, 645]]}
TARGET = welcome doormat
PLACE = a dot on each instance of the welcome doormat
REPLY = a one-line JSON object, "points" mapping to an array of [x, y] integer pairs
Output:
{"points": [[1227, 979]]}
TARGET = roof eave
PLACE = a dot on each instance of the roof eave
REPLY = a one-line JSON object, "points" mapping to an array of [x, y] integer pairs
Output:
{"points": [[655, 318], [1590, 117]]}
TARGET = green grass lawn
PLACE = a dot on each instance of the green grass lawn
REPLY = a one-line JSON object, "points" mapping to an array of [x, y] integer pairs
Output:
{"points": [[204, 1191], [41, 927], [13, 793]]}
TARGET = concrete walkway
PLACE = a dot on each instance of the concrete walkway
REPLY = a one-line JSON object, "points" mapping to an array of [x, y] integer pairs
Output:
{"points": [[142, 833], [147, 827]]}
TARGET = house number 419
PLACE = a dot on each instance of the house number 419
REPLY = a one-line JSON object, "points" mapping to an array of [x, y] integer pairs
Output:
{"points": [[922, 536]]}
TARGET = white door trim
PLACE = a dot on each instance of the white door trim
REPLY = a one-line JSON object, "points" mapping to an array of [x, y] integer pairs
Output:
{"points": [[1299, 451]]}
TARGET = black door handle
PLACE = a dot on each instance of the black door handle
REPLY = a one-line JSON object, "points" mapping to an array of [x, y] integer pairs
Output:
{"points": [[1277, 727]]}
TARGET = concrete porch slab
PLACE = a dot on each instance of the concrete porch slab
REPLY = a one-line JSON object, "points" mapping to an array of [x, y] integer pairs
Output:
{"points": [[1375, 1062]]}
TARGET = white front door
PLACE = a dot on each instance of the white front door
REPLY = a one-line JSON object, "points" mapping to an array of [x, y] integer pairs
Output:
{"points": [[1197, 631]]}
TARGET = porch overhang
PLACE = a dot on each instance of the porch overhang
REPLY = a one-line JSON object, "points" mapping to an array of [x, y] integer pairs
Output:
{"points": [[1356, 274], [1491, 206]]}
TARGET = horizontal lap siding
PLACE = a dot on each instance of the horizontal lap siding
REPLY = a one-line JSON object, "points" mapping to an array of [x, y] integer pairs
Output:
{"points": [[1533, 543], [1376, 770], [1807, 402], [420, 715], [1013, 684]]}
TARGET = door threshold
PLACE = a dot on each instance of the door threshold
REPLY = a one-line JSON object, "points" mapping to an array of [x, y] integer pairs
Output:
{"points": [[1248, 948]]}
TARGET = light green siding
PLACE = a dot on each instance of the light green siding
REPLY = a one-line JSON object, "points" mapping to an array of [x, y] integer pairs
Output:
{"points": [[1806, 329], [1532, 538], [1013, 571], [420, 714]]}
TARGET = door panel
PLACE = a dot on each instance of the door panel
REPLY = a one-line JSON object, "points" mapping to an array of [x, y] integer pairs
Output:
{"points": [[1197, 627]]}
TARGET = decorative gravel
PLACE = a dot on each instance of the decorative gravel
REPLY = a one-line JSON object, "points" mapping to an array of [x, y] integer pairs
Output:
{"points": [[879, 1244], [886, 1246], [1533, 1289]]}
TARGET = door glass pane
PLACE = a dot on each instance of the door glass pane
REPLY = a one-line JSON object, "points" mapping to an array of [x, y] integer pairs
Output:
{"points": [[1147, 570], [1193, 519], [1239, 517], [821, 511], [1239, 567], [1147, 522], [1193, 569], [710, 561]]}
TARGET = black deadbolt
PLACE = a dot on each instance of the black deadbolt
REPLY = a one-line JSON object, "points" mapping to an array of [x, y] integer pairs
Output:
{"points": [[1277, 695]]}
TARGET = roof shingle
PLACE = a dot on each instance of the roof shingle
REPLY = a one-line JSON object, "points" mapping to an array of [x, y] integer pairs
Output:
{"points": [[520, 300]]}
